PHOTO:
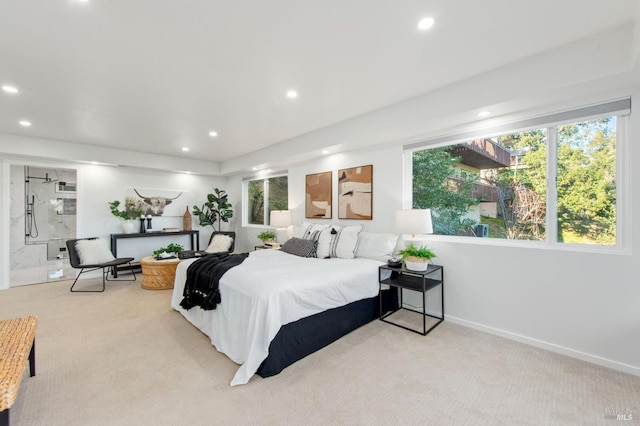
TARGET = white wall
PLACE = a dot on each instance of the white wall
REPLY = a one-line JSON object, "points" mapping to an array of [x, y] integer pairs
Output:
{"points": [[581, 304]]}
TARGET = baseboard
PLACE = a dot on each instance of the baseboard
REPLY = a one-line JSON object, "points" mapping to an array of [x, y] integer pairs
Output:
{"points": [[594, 359]]}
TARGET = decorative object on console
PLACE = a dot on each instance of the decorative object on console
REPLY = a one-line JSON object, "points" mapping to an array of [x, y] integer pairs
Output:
{"points": [[142, 227], [149, 222], [186, 220], [130, 213], [318, 194], [216, 209], [416, 258], [414, 221], [355, 193], [169, 252]]}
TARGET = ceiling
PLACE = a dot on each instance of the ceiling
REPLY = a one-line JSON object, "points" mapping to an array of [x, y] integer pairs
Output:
{"points": [[158, 75]]}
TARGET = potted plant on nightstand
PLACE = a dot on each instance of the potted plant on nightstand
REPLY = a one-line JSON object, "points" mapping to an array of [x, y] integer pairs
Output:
{"points": [[267, 237], [416, 258]]}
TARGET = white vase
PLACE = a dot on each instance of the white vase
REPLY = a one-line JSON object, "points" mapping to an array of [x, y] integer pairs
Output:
{"points": [[416, 263], [128, 226]]}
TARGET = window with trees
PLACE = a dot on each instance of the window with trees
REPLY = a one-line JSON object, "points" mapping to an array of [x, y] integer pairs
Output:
{"points": [[264, 195], [554, 183]]}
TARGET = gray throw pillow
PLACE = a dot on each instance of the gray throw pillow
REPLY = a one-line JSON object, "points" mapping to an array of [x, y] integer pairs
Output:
{"points": [[300, 247]]}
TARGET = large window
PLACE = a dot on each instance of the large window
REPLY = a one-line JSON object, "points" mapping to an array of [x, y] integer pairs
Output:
{"points": [[264, 195], [556, 183]]}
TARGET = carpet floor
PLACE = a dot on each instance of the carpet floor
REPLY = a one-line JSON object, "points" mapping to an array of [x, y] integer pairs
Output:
{"points": [[124, 357]]}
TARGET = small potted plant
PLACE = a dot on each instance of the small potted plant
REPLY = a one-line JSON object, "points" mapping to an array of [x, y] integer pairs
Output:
{"points": [[130, 213], [416, 258], [169, 252], [267, 237]]}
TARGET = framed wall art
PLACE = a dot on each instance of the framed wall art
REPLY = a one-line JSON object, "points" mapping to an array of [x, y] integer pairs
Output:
{"points": [[318, 189], [156, 202], [355, 193]]}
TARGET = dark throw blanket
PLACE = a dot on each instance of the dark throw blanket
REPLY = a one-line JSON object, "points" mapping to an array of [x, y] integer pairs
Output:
{"points": [[203, 279]]}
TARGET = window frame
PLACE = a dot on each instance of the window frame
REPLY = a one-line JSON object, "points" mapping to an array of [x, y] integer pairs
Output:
{"points": [[265, 191], [620, 109]]}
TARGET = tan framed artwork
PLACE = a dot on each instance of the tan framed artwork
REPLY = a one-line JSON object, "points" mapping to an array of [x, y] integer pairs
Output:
{"points": [[355, 193], [318, 189]]}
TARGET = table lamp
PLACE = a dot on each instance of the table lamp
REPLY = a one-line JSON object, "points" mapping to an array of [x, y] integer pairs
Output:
{"points": [[414, 221], [279, 219]]}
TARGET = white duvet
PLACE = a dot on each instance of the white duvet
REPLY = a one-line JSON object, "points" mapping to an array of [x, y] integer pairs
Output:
{"points": [[268, 290]]}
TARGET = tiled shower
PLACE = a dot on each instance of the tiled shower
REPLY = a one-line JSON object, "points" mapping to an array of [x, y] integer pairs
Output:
{"points": [[43, 218]]}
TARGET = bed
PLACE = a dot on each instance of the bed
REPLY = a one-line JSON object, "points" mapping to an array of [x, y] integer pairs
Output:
{"points": [[277, 308]]}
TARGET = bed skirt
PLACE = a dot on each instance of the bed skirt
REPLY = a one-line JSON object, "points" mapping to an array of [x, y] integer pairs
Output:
{"points": [[300, 338]]}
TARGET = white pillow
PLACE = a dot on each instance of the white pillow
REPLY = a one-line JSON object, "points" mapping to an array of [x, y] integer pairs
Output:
{"points": [[219, 243], [324, 243], [94, 252], [345, 242], [376, 246]]}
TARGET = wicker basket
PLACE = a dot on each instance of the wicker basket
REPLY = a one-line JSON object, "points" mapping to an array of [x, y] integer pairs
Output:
{"points": [[158, 274]]}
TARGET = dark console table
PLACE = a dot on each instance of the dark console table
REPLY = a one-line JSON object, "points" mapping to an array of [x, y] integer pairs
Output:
{"points": [[195, 240]]}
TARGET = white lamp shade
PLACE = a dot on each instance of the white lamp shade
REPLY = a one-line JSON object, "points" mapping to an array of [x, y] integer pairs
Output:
{"points": [[416, 221], [280, 218]]}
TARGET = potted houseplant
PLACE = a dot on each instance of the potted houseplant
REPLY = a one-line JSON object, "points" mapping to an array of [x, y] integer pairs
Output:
{"points": [[416, 258], [267, 237], [216, 209], [168, 252], [130, 213]]}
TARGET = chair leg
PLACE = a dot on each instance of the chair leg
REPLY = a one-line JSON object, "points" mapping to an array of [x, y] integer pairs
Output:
{"points": [[86, 291], [32, 359], [131, 268], [105, 278], [4, 417]]}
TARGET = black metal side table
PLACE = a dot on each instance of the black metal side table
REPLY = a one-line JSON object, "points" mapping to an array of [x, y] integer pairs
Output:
{"points": [[420, 281]]}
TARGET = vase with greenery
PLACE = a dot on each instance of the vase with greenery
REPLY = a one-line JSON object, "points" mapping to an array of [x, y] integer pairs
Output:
{"points": [[416, 258], [267, 236], [131, 212], [168, 252], [216, 209]]}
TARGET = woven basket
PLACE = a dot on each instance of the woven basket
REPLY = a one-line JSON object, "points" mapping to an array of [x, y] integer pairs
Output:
{"points": [[158, 274]]}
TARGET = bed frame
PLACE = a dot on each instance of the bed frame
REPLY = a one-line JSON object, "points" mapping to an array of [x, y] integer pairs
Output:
{"points": [[300, 338]]}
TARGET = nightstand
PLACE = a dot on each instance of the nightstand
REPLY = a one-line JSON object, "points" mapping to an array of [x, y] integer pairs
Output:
{"points": [[419, 281]]}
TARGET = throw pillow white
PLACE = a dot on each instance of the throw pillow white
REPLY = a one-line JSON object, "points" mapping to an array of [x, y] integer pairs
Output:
{"points": [[219, 243], [94, 252], [345, 242], [376, 246], [324, 243]]}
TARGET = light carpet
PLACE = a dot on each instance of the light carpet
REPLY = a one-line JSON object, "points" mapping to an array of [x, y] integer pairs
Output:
{"points": [[124, 357]]}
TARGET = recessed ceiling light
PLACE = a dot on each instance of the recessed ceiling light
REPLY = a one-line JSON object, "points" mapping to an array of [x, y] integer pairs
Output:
{"points": [[426, 23], [292, 94], [25, 123], [185, 149], [254, 168], [325, 151], [213, 133], [10, 89], [484, 113], [95, 163]]}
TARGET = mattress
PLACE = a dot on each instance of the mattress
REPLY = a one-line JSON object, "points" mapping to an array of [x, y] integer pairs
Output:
{"points": [[268, 290]]}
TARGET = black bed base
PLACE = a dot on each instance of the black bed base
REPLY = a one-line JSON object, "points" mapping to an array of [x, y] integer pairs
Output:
{"points": [[298, 339]]}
